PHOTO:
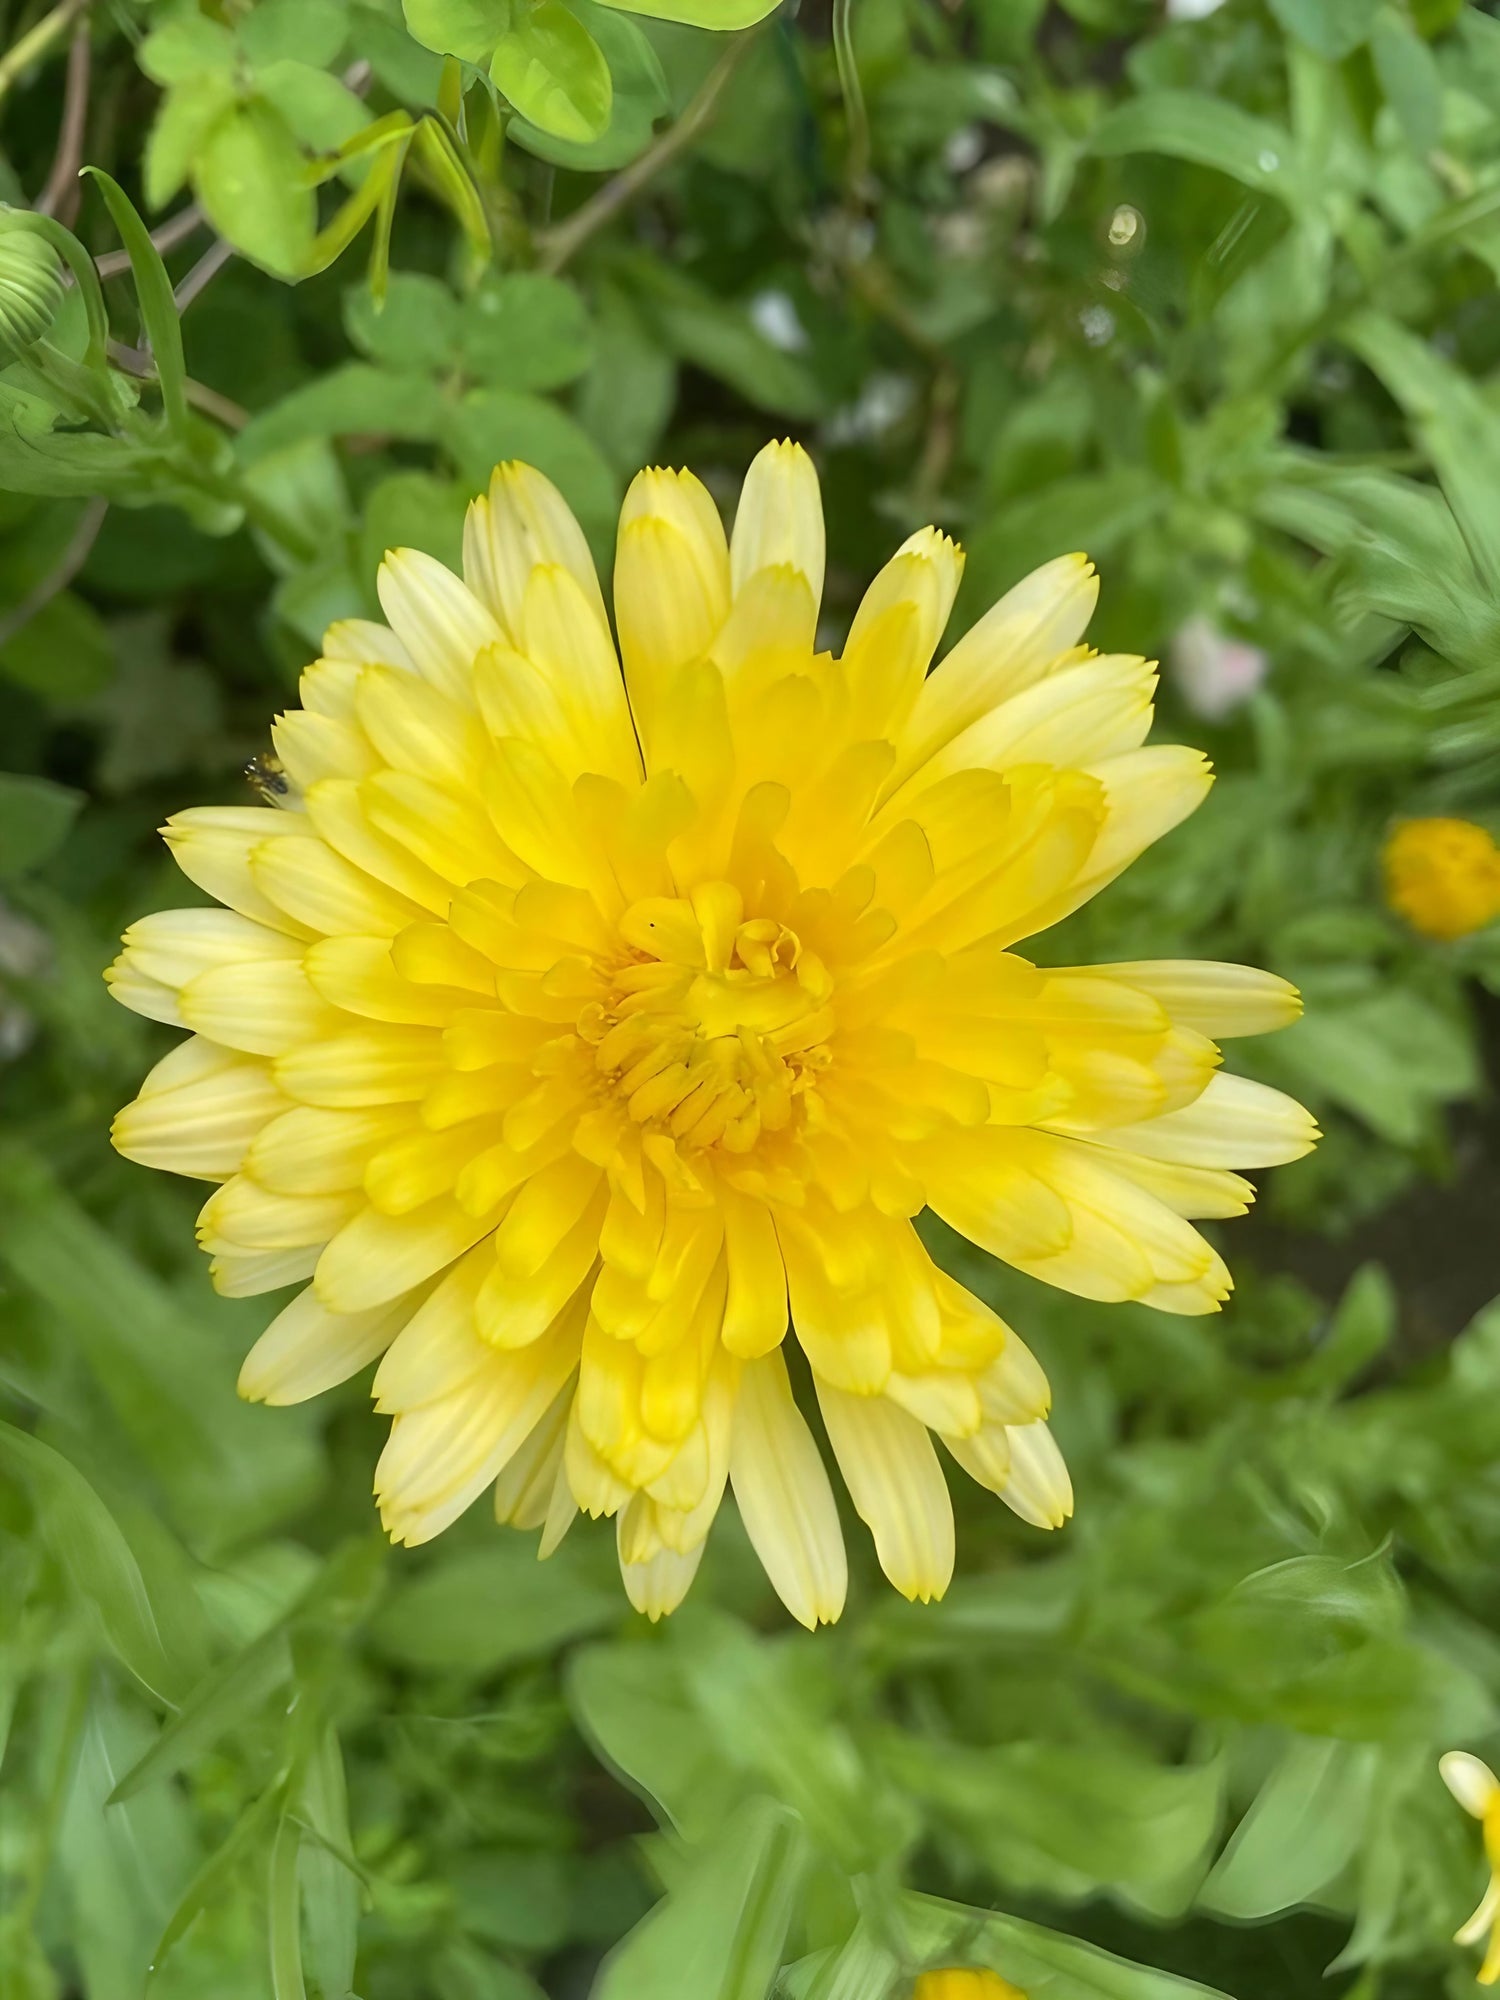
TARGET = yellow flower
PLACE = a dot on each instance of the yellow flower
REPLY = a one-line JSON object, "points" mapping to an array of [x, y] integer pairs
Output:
{"points": [[958, 1982], [1443, 876], [1477, 1790], [573, 1031]]}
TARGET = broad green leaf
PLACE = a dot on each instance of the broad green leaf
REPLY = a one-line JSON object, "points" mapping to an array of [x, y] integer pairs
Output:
{"points": [[88, 1543], [1305, 1824], [634, 1707], [1409, 78], [491, 425], [1331, 28], [353, 400], [721, 1931], [1390, 1059], [1187, 125], [249, 177], [416, 327], [319, 110], [187, 114], [718, 338], [553, 71], [483, 1609], [412, 510], [639, 96], [300, 31], [723, 15], [468, 29], [525, 331], [402, 65], [186, 46], [35, 815]]}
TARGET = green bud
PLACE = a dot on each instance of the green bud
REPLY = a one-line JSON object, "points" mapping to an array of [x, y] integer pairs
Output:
{"points": [[30, 289]]}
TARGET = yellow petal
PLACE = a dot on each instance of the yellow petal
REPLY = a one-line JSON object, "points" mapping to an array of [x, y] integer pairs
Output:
{"points": [[779, 519], [212, 845], [784, 1496], [522, 522], [263, 1007], [378, 1066], [204, 1125], [1217, 999], [441, 623], [307, 1349], [375, 1257], [897, 1487], [320, 890], [313, 1151]]}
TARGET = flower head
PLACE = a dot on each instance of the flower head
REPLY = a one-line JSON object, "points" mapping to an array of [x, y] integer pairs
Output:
{"points": [[572, 1030], [1477, 1790], [959, 1982], [1443, 876]]}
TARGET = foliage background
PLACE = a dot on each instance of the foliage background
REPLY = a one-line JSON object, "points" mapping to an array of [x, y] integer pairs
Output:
{"points": [[1214, 299]]}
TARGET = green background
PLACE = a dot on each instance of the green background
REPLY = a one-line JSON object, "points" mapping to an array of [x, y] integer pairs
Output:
{"points": [[1214, 300]]}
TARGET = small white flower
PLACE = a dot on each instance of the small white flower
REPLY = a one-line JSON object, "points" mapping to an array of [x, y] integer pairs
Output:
{"points": [[774, 316], [1214, 673]]}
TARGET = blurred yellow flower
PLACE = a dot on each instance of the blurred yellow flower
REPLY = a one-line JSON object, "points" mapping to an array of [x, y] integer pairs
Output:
{"points": [[1474, 1785], [965, 1983], [572, 1029], [1443, 876]]}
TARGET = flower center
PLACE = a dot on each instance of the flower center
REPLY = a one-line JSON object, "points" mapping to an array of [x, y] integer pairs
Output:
{"points": [[715, 1027]]}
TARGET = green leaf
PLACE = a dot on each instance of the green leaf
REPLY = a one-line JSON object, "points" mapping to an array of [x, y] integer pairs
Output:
{"points": [[639, 96], [1037, 1960], [409, 71], [87, 1541], [63, 652], [1305, 1825], [626, 397], [483, 1609], [187, 114], [633, 1705], [416, 327], [321, 112], [553, 71], [1409, 78], [491, 425], [285, 1905], [1330, 28], [356, 399], [35, 816], [186, 47], [468, 29], [525, 331], [412, 510], [722, 15], [1457, 426], [301, 31], [1189, 125], [330, 1892], [221, 1700], [159, 321], [219, 1869], [718, 338], [721, 1931], [249, 177]]}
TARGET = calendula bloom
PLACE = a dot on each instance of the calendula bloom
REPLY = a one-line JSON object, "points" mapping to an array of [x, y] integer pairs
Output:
{"points": [[962, 1982], [1443, 876], [572, 1029], [1477, 1790]]}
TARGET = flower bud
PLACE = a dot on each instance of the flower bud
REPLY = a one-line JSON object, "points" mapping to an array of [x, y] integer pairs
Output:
{"points": [[30, 289]]}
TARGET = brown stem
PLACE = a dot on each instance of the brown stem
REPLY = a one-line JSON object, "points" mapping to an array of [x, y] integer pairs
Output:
{"points": [[203, 272], [137, 361], [35, 43], [61, 194], [176, 229], [558, 244], [57, 579]]}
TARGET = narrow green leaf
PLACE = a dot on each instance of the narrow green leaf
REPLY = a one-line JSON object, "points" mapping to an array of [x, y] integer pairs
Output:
{"points": [[153, 290], [1191, 125], [1409, 78], [330, 1888], [230, 1692], [89, 1544], [285, 1910], [216, 1872], [454, 183]]}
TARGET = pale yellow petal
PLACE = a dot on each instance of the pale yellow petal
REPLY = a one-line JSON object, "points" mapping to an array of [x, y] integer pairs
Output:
{"points": [[441, 623], [1470, 1780], [784, 1496], [1217, 999], [779, 519], [307, 1349], [213, 845], [522, 522], [204, 1126], [263, 1006], [375, 1257], [897, 1486]]}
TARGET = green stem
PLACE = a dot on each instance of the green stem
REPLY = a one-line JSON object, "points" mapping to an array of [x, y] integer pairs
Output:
{"points": [[37, 40], [854, 97]]}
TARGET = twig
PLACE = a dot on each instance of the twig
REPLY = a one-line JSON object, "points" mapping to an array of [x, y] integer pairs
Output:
{"points": [[36, 41], [57, 579], [176, 229], [61, 194], [203, 272], [137, 361], [558, 244]]}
